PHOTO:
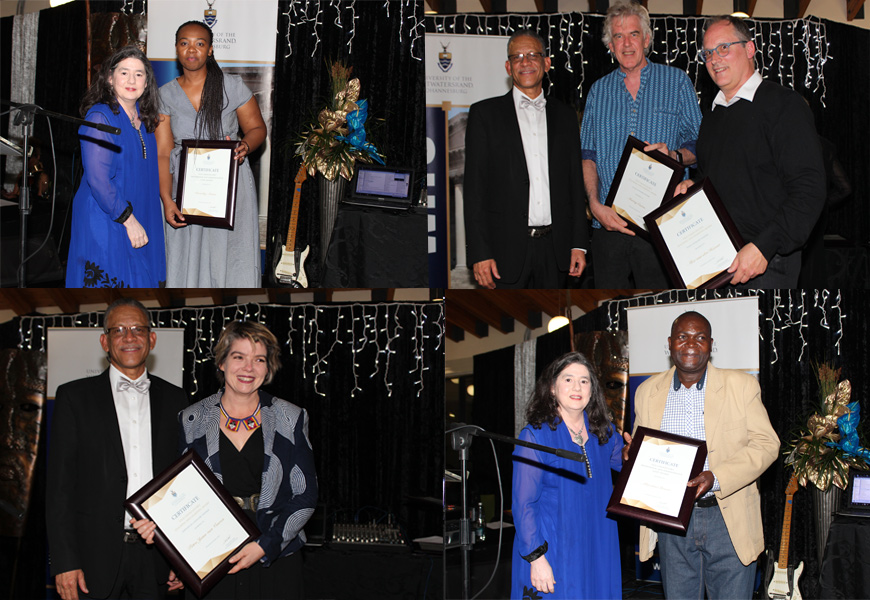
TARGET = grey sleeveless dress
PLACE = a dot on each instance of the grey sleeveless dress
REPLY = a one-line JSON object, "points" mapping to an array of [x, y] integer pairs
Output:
{"points": [[198, 256]]}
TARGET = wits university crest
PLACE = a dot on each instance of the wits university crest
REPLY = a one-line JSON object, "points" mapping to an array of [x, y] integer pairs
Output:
{"points": [[445, 59], [210, 14]]}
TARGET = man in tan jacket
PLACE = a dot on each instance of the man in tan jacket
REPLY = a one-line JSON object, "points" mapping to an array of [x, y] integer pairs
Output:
{"points": [[723, 407]]}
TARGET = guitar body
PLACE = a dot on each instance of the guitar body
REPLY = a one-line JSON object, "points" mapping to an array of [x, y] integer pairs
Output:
{"points": [[290, 269], [784, 585]]}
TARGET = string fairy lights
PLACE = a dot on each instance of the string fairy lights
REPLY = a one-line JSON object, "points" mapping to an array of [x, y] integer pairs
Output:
{"points": [[783, 45], [309, 16], [790, 309], [371, 332]]}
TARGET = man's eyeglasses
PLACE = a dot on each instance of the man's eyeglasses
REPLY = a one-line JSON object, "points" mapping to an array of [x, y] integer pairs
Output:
{"points": [[136, 330], [518, 58], [722, 50]]}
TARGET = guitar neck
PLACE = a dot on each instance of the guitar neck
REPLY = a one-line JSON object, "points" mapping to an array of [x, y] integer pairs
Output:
{"points": [[294, 213], [782, 563]]}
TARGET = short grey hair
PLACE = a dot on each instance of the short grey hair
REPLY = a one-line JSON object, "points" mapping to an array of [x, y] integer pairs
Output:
{"points": [[132, 302], [527, 33], [626, 8]]}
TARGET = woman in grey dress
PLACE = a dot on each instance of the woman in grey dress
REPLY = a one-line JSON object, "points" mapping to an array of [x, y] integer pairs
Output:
{"points": [[206, 104]]}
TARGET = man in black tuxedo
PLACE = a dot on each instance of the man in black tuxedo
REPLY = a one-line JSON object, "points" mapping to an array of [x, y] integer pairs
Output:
{"points": [[110, 435], [524, 197]]}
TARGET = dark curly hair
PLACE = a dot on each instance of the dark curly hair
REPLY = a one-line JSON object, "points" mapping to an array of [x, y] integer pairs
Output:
{"points": [[101, 91], [208, 125], [543, 407]]}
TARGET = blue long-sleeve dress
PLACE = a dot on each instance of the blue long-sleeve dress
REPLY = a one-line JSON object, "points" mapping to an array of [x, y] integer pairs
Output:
{"points": [[116, 173], [554, 502]]}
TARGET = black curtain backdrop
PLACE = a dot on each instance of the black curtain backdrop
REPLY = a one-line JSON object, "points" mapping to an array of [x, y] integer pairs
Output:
{"points": [[377, 436], [385, 48], [788, 387], [575, 41]]}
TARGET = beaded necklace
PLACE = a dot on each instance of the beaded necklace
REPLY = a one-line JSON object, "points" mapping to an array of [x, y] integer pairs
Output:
{"points": [[250, 423], [141, 139]]}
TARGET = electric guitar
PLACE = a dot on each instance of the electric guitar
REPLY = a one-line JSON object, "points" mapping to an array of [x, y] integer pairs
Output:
{"points": [[783, 584], [290, 270]]}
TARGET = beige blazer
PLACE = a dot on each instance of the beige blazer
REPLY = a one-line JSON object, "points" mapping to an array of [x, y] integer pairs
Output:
{"points": [[741, 444]]}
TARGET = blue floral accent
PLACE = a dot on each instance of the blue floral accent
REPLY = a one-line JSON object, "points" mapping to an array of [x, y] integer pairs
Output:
{"points": [[357, 135], [848, 425]]}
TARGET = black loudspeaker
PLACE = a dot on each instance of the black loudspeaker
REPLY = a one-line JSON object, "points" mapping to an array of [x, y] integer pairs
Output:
{"points": [[848, 267], [44, 268]]}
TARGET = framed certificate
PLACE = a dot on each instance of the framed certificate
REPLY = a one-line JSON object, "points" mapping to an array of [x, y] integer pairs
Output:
{"points": [[652, 484], [695, 238], [207, 179], [642, 182], [199, 525]]}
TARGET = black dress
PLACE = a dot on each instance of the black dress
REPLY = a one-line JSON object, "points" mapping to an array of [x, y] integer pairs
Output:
{"points": [[242, 471]]}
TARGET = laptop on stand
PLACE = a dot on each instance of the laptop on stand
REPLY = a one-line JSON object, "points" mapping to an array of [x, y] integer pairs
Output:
{"points": [[856, 499], [375, 186]]}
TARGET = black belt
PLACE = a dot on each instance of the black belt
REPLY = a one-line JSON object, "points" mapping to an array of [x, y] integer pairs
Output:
{"points": [[248, 502], [705, 502], [131, 536], [537, 232]]}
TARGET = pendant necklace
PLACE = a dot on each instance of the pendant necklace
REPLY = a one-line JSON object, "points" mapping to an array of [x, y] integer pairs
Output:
{"points": [[250, 423]]}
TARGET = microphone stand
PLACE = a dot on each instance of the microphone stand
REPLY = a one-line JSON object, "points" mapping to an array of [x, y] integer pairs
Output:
{"points": [[460, 439], [25, 119]]}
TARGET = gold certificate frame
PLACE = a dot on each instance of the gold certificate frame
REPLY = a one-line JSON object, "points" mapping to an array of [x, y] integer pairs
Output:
{"points": [[695, 237], [643, 181], [652, 484], [199, 525], [207, 181]]}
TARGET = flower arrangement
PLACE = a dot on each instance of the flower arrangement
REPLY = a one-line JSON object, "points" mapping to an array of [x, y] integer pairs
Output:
{"points": [[337, 138], [824, 450]]}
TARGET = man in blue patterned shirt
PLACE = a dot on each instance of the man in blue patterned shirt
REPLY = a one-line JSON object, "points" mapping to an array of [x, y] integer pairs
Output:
{"points": [[652, 102]]}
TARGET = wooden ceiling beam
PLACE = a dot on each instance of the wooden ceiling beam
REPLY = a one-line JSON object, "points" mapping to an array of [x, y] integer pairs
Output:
{"points": [[163, 297], [802, 8], [852, 8], [64, 301], [19, 302]]}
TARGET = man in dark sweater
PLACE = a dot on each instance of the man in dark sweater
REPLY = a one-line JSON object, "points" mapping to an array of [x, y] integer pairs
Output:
{"points": [[758, 145]]}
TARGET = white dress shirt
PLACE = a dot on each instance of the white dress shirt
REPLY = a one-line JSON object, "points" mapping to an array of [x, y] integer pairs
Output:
{"points": [[134, 421], [746, 92], [533, 129]]}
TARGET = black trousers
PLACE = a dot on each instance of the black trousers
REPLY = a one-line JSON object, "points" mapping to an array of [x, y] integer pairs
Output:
{"points": [[540, 270], [625, 261], [282, 579]]}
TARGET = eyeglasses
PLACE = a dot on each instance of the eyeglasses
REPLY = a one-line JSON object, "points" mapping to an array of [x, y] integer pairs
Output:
{"points": [[518, 58], [722, 50], [121, 331]]}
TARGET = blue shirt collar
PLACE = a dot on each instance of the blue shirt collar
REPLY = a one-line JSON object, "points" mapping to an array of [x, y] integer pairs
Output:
{"points": [[700, 384]]}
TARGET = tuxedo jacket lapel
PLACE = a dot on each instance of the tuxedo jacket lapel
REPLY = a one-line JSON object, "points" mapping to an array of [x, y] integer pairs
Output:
{"points": [[108, 416], [513, 137]]}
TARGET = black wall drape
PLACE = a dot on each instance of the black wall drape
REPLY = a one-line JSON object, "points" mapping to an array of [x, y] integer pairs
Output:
{"points": [[377, 434], [384, 50], [786, 374]]}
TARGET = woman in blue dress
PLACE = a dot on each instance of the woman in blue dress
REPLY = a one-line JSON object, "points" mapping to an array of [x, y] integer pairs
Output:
{"points": [[116, 237], [566, 546]]}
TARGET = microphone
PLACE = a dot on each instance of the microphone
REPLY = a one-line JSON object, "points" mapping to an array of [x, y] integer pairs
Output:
{"points": [[463, 441]]}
